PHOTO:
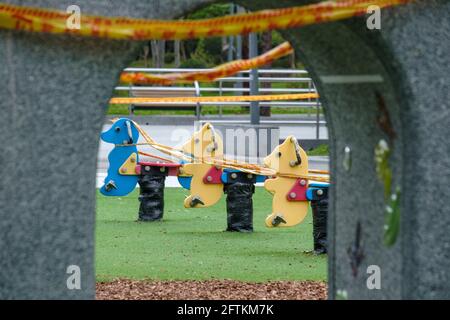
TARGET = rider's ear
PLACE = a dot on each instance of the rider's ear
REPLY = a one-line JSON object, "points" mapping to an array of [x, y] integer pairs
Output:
{"points": [[129, 132]]}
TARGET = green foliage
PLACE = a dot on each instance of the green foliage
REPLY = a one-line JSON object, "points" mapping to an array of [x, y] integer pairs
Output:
{"points": [[191, 244], [320, 150], [201, 54], [190, 46], [277, 39], [122, 109], [284, 62]]}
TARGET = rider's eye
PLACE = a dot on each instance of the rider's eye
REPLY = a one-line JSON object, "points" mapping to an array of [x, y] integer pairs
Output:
{"points": [[117, 129]]}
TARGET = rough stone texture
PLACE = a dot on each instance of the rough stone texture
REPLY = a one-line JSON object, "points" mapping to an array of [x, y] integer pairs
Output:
{"points": [[53, 103]]}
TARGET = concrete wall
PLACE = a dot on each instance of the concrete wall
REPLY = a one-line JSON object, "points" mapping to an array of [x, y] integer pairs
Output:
{"points": [[53, 103]]}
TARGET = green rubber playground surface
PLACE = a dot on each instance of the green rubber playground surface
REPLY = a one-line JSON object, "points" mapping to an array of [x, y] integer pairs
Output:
{"points": [[189, 244]]}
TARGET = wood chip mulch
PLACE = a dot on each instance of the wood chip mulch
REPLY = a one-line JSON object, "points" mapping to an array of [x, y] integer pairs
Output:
{"points": [[122, 289]]}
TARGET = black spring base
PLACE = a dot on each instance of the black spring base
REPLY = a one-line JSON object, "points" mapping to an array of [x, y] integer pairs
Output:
{"points": [[151, 197], [240, 205]]}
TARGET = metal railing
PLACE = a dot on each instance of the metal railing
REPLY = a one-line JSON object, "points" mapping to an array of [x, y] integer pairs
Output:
{"points": [[234, 85], [172, 70]]}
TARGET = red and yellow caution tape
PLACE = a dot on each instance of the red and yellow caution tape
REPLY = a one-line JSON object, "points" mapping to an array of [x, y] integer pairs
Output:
{"points": [[221, 162], [277, 97], [55, 21], [221, 71]]}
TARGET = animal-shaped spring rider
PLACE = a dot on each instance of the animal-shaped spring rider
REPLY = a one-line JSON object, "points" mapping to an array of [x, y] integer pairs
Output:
{"points": [[206, 174]]}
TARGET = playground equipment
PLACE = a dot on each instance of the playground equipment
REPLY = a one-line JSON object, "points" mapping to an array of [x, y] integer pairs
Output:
{"points": [[355, 221], [206, 173]]}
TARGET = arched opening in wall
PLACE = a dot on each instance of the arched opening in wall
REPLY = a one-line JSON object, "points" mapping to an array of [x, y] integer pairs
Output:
{"points": [[363, 76], [155, 242]]}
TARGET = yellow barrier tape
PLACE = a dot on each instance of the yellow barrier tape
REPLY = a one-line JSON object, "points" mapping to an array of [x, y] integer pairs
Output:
{"points": [[221, 71], [54, 21], [277, 97]]}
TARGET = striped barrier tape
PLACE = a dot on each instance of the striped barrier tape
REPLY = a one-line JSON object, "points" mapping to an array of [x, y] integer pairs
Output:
{"points": [[34, 19], [278, 97], [221, 71]]}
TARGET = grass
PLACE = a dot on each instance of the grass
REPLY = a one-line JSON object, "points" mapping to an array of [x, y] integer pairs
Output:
{"points": [[189, 244]]}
